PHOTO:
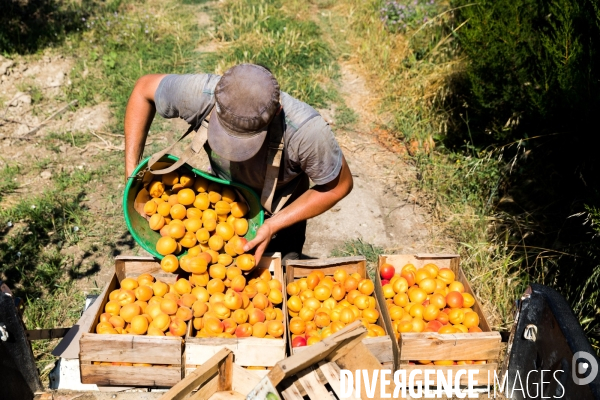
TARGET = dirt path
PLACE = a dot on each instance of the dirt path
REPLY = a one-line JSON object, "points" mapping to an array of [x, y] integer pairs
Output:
{"points": [[381, 209]]}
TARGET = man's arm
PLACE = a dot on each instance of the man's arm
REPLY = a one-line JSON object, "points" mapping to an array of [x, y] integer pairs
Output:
{"points": [[313, 202], [138, 118]]}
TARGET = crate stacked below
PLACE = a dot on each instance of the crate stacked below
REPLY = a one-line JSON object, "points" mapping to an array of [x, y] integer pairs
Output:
{"points": [[422, 350], [163, 353]]}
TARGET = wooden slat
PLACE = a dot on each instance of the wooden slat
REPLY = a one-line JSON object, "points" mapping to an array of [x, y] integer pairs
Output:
{"points": [[207, 390], [105, 375], [225, 373], [131, 348], [200, 376], [226, 395], [244, 380], [315, 389], [481, 377], [331, 372], [459, 346], [292, 393], [360, 358]]}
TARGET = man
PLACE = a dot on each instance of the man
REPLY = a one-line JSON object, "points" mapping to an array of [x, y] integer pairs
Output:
{"points": [[249, 109]]}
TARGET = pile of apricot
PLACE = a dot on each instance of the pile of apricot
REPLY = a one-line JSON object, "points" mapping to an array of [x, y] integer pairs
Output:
{"points": [[145, 306], [234, 305], [320, 305], [428, 299], [219, 304], [204, 217]]}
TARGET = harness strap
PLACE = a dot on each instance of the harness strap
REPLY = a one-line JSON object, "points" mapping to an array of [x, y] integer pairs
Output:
{"points": [[274, 156], [202, 127]]}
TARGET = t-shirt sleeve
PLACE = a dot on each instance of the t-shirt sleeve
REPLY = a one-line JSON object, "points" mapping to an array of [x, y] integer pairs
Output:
{"points": [[185, 96], [318, 153]]}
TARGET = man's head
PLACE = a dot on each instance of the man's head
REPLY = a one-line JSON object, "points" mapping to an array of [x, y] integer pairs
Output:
{"points": [[247, 99]]}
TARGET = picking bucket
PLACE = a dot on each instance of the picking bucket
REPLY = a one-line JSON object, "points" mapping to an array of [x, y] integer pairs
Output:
{"points": [[147, 238]]}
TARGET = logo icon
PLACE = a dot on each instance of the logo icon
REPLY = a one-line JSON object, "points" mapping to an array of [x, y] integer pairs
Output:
{"points": [[584, 368]]}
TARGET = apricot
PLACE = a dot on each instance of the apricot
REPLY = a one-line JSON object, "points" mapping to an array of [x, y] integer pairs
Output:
{"points": [[187, 300], [239, 283], [105, 317], [233, 300], [201, 202], [454, 300], [166, 245], [104, 327], [156, 222], [215, 286], [417, 295], [197, 265], [178, 327], [184, 313], [322, 319], [259, 330], [216, 242], [468, 300], [129, 311], [245, 262], [446, 275], [239, 209], [365, 286], [260, 301], [139, 325], [243, 330], [401, 299], [240, 226], [156, 189], [126, 296], [388, 290], [275, 296], [199, 279], [255, 315], [186, 197], [471, 320], [456, 287], [144, 293], [168, 306], [113, 307]]}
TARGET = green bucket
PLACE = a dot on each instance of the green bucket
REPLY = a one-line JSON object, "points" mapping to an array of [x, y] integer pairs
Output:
{"points": [[147, 238]]}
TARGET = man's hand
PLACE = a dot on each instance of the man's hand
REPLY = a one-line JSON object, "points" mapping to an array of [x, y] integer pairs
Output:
{"points": [[313, 202], [261, 241]]}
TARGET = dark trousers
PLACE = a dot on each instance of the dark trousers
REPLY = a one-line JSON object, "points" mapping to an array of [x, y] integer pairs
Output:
{"points": [[289, 241]]}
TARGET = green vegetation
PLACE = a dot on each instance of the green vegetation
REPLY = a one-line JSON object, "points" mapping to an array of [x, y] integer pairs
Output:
{"points": [[8, 182], [272, 34], [358, 247]]}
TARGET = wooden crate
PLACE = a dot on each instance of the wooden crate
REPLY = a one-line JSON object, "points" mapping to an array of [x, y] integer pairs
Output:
{"points": [[381, 347], [166, 351], [433, 346], [257, 352]]}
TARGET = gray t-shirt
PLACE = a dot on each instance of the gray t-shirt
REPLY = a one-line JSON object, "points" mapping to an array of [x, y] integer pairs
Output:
{"points": [[309, 144]]}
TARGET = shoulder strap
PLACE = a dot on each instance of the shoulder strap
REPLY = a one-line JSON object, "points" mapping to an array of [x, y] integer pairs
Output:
{"points": [[194, 149], [274, 156]]}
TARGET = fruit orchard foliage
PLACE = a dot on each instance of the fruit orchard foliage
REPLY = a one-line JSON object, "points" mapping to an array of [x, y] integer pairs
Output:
{"points": [[533, 66]]}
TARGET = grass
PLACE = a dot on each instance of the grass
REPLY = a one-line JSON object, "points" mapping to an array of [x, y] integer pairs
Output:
{"points": [[357, 247], [8, 179], [279, 36]]}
